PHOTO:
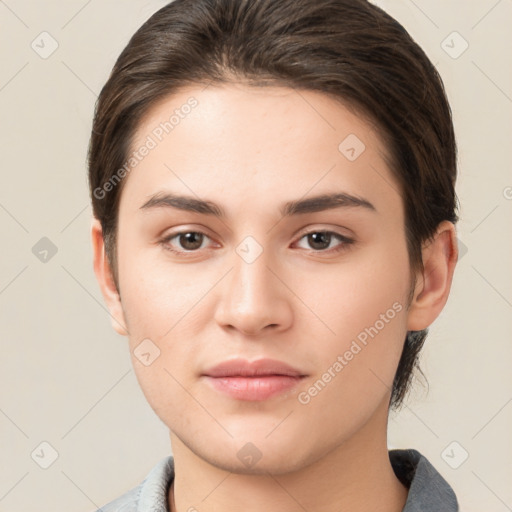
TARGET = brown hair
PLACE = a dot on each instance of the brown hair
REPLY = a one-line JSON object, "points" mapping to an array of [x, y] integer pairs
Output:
{"points": [[348, 49]]}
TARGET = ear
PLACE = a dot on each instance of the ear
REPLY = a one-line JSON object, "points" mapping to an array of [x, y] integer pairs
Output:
{"points": [[434, 283], [105, 279]]}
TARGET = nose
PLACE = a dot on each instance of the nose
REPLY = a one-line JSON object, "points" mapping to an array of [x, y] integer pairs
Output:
{"points": [[254, 298]]}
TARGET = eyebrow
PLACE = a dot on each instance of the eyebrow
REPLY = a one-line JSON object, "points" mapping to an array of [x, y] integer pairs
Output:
{"points": [[310, 205]]}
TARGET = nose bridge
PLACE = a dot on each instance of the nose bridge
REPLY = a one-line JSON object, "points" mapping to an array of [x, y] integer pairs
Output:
{"points": [[250, 276], [252, 297]]}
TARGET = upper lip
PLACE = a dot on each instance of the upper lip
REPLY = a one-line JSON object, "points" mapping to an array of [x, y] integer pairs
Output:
{"points": [[259, 367]]}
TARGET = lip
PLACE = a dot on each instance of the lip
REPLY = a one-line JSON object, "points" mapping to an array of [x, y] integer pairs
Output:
{"points": [[255, 381], [257, 368]]}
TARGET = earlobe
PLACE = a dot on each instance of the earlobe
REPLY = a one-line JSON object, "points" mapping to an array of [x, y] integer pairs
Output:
{"points": [[105, 279], [434, 283]]}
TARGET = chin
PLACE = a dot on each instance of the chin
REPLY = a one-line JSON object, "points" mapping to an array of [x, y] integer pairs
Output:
{"points": [[274, 464]]}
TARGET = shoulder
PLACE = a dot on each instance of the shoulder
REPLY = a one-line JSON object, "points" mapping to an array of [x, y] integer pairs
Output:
{"points": [[428, 490], [150, 494]]}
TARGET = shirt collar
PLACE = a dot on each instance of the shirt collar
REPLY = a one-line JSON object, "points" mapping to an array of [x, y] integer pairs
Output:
{"points": [[428, 490]]}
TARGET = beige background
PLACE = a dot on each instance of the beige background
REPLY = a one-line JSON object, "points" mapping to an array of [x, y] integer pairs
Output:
{"points": [[66, 377]]}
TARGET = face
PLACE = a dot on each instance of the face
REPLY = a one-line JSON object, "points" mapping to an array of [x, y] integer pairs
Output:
{"points": [[262, 271]]}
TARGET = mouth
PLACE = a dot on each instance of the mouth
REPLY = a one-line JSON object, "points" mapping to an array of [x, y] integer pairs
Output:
{"points": [[254, 381]]}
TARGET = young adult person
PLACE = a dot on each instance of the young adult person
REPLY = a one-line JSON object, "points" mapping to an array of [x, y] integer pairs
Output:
{"points": [[274, 208]]}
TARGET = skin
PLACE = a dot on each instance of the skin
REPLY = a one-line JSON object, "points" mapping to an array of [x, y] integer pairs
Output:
{"points": [[249, 150]]}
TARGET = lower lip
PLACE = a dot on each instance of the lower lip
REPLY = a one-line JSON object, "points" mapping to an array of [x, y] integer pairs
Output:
{"points": [[253, 388]]}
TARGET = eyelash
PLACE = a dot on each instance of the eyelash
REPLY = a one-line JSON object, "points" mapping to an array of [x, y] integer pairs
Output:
{"points": [[346, 242]]}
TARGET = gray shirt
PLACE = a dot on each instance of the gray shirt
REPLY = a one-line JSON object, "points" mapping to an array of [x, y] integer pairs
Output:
{"points": [[428, 490]]}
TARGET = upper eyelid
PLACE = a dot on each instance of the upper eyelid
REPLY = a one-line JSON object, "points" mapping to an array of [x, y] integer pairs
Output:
{"points": [[332, 231]]}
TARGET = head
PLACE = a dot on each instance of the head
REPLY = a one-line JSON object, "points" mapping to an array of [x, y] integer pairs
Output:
{"points": [[248, 105]]}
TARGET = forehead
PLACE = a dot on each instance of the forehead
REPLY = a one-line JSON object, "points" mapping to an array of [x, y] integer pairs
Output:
{"points": [[259, 141]]}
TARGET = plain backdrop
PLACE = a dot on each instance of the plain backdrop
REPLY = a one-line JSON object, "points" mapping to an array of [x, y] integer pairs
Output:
{"points": [[69, 399]]}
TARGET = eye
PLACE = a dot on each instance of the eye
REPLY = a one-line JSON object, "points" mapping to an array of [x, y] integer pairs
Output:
{"points": [[189, 241], [321, 240]]}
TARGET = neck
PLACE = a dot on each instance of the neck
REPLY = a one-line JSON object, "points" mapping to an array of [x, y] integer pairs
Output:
{"points": [[355, 476]]}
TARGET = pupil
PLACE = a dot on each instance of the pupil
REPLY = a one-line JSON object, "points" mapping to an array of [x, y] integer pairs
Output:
{"points": [[319, 238], [189, 240]]}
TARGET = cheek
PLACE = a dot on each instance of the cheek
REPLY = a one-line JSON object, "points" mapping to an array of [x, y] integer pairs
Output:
{"points": [[345, 299], [160, 305], [362, 308], [159, 297]]}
